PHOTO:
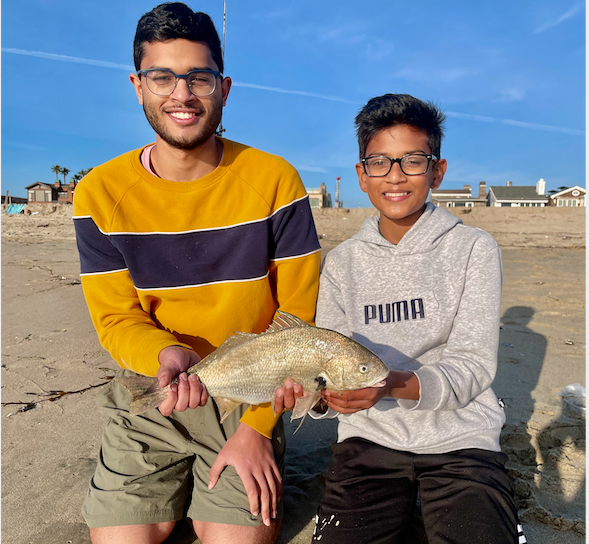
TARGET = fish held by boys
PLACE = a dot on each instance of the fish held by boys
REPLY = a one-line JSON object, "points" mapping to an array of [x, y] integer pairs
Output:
{"points": [[248, 368]]}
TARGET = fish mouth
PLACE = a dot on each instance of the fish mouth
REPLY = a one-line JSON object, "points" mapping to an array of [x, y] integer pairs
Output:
{"points": [[382, 383]]}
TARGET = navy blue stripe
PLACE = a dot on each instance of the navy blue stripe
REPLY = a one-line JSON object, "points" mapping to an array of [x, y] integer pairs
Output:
{"points": [[293, 231], [97, 254], [235, 253], [195, 258]]}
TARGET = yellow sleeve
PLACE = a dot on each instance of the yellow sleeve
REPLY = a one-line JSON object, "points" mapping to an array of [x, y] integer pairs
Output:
{"points": [[262, 418], [124, 329]]}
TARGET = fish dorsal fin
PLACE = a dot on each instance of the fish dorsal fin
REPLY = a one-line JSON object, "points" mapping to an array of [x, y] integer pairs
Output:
{"points": [[285, 321], [282, 321]]}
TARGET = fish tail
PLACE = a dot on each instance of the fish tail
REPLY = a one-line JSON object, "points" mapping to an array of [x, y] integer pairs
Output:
{"points": [[145, 392]]}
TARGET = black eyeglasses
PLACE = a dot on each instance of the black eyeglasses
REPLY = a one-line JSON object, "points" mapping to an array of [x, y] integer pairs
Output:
{"points": [[163, 82], [414, 164]]}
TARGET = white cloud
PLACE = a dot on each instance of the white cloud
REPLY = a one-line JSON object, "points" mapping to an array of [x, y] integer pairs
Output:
{"points": [[66, 58], [378, 49], [291, 91], [513, 122], [551, 24], [427, 75], [512, 94], [461, 171], [280, 13], [304, 168], [347, 33]]}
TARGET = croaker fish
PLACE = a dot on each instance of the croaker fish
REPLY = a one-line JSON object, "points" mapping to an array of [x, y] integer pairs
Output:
{"points": [[248, 368]]}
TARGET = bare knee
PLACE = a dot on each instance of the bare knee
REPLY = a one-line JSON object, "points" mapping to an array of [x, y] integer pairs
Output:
{"points": [[221, 533], [154, 533]]}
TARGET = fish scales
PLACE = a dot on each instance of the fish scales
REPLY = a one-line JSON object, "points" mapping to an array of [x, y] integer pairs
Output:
{"points": [[252, 370]]}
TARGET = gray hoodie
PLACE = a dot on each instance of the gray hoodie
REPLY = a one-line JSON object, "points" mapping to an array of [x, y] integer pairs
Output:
{"points": [[429, 305]]}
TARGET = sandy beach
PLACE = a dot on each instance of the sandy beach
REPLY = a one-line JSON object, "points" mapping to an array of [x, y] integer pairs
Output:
{"points": [[52, 364]]}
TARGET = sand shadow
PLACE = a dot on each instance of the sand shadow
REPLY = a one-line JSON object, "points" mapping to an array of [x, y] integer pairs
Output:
{"points": [[545, 468], [562, 477], [520, 360]]}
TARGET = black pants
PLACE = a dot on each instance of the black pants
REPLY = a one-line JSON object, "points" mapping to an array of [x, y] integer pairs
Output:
{"points": [[466, 496]]}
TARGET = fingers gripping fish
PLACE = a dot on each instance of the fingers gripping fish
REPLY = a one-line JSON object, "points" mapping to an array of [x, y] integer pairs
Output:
{"points": [[248, 368]]}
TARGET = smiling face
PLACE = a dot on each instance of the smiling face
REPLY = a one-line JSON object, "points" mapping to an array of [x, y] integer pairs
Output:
{"points": [[400, 198], [181, 120]]}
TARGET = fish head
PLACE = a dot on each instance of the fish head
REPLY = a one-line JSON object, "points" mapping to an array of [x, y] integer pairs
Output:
{"points": [[354, 367]]}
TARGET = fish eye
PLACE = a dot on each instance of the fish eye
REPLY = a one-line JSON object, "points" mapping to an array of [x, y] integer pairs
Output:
{"points": [[363, 368]]}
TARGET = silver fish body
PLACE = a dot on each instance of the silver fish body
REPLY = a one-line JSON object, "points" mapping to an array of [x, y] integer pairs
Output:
{"points": [[248, 368]]}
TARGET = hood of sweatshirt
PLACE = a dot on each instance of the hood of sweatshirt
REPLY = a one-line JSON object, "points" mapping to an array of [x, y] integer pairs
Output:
{"points": [[422, 237]]}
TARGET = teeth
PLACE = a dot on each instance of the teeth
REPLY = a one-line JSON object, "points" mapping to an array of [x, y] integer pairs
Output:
{"points": [[395, 194], [182, 115]]}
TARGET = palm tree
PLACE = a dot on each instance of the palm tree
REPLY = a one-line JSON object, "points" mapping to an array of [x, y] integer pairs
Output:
{"points": [[64, 171], [56, 169]]}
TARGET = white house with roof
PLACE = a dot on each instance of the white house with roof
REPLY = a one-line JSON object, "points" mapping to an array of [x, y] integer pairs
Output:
{"points": [[455, 198], [518, 196], [573, 197]]}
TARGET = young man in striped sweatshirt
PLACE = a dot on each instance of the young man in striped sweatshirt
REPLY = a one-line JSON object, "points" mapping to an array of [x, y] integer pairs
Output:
{"points": [[182, 243]]}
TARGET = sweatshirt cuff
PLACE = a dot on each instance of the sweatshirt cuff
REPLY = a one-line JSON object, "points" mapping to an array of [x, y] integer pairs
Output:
{"points": [[429, 387], [148, 363], [261, 418]]}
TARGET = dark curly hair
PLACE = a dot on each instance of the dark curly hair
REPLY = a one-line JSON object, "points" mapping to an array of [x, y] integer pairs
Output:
{"points": [[175, 20], [399, 109]]}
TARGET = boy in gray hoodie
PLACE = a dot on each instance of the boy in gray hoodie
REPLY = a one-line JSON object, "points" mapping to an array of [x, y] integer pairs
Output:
{"points": [[422, 291]]}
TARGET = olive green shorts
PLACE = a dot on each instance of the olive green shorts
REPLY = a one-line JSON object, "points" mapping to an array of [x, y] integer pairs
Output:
{"points": [[154, 469]]}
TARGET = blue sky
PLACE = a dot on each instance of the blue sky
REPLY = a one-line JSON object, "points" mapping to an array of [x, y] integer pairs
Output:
{"points": [[509, 75]]}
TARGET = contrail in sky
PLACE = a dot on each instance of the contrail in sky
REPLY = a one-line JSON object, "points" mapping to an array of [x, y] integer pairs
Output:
{"points": [[66, 58], [570, 13], [548, 128], [288, 91], [129, 68]]}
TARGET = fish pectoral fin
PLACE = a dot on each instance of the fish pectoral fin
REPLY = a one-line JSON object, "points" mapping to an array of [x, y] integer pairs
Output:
{"points": [[145, 392], [226, 406], [302, 407]]}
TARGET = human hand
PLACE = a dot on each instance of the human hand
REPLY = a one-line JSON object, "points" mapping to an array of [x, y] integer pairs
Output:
{"points": [[252, 456], [286, 397], [189, 392], [349, 402], [398, 384]]}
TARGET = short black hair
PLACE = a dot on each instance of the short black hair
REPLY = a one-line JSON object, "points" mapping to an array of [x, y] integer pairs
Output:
{"points": [[175, 20], [399, 109]]}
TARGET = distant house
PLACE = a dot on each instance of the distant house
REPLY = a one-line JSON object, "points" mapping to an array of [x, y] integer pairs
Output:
{"points": [[456, 198], [40, 192], [513, 196], [319, 198], [47, 193], [572, 197]]}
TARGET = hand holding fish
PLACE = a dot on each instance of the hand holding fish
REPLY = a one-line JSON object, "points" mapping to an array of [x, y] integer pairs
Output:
{"points": [[252, 456], [189, 392], [286, 397], [401, 385]]}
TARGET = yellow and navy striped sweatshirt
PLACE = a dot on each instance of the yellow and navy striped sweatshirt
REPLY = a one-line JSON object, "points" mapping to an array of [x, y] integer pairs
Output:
{"points": [[189, 263]]}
